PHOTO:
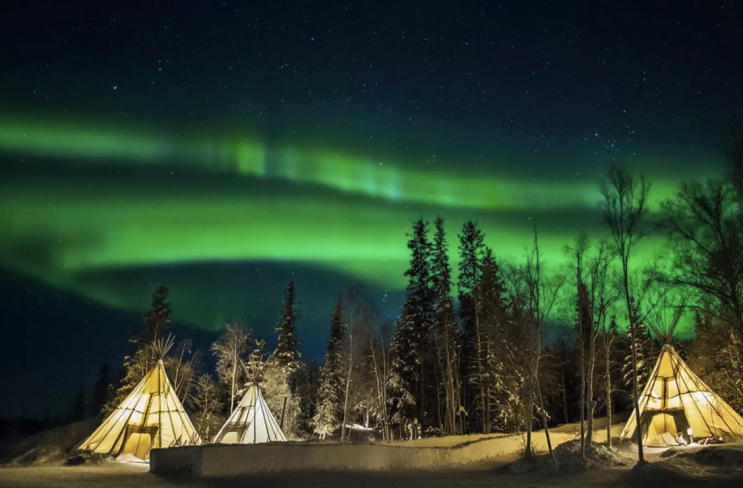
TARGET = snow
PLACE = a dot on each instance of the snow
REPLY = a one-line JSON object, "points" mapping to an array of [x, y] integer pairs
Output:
{"points": [[447, 462], [113, 475], [49, 446], [663, 472]]}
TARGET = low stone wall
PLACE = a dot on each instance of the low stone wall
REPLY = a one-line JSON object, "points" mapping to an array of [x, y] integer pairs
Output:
{"points": [[225, 460]]}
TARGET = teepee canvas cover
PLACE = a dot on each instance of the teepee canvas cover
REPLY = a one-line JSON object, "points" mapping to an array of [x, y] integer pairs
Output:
{"points": [[674, 400], [251, 423], [151, 416]]}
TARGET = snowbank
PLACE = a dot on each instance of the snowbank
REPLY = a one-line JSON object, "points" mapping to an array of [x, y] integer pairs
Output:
{"points": [[689, 465], [50, 446]]}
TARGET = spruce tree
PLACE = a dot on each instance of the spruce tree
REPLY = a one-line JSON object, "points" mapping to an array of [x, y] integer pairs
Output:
{"points": [[471, 254], [139, 364], [411, 346], [445, 326], [287, 353], [646, 354], [489, 338], [330, 392], [440, 268], [79, 405], [100, 390], [158, 317]]}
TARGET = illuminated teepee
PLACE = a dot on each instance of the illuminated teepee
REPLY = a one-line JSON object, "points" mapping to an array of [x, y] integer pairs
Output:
{"points": [[677, 407], [252, 421], [151, 416]]}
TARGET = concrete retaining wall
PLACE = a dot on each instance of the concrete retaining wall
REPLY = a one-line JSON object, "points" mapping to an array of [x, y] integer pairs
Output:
{"points": [[223, 460], [173, 460]]}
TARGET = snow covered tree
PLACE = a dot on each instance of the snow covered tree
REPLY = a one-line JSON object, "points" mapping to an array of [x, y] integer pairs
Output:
{"points": [[287, 354], [182, 365], [488, 338], [715, 356], [445, 327], [282, 370], [206, 403], [332, 381], [471, 254], [232, 347], [403, 370], [411, 344], [646, 352], [137, 365], [282, 399]]}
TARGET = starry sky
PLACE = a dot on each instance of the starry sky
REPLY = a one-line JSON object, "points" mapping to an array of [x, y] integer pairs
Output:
{"points": [[226, 148]]}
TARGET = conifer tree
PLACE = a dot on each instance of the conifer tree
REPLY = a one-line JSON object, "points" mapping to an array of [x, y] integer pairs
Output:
{"points": [[158, 317], [471, 254], [79, 405], [287, 354], [411, 344], [330, 393], [445, 326], [489, 337], [283, 369], [100, 390], [646, 353], [139, 364]]}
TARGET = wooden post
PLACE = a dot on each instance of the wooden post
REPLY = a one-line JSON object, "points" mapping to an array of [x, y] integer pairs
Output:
{"points": [[283, 410]]}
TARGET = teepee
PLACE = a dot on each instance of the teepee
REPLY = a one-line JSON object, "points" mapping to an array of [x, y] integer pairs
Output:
{"points": [[676, 406], [252, 421], [151, 416]]}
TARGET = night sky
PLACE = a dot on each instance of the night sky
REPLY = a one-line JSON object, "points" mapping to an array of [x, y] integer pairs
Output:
{"points": [[226, 148]]}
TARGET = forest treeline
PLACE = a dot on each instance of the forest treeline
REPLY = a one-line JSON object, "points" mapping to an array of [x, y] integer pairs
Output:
{"points": [[469, 354]]}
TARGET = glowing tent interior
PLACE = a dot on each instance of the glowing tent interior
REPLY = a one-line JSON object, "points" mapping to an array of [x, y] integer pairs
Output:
{"points": [[677, 407], [151, 416], [251, 423]]}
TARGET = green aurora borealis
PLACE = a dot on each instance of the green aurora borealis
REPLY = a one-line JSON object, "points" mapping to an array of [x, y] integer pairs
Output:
{"points": [[211, 198]]}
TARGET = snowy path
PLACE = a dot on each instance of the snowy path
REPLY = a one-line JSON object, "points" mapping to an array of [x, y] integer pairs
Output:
{"points": [[112, 476]]}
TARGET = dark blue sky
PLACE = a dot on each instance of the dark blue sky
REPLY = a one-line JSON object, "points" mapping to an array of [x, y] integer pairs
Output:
{"points": [[528, 91]]}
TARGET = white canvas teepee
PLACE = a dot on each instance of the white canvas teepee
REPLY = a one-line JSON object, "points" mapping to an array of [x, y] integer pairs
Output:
{"points": [[251, 423], [151, 416], [677, 403]]}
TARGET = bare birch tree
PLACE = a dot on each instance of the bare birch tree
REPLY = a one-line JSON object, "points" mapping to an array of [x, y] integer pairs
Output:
{"points": [[232, 347], [624, 206]]}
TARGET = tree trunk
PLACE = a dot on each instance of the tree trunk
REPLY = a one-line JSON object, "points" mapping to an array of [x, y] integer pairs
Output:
{"points": [[450, 392], [589, 394], [564, 396], [348, 384], [607, 365], [529, 407], [544, 421], [234, 379], [636, 403], [582, 346], [480, 369]]}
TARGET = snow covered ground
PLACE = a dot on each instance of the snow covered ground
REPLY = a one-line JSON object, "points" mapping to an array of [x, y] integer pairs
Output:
{"points": [[489, 474], [718, 466]]}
